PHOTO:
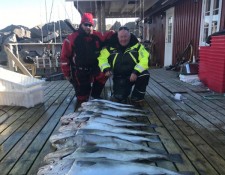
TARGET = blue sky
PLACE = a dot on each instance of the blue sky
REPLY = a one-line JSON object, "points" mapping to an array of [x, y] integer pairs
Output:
{"points": [[30, 13]]}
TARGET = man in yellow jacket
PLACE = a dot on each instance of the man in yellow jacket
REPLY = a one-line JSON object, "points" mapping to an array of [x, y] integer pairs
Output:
{"points": [[127, 60]]}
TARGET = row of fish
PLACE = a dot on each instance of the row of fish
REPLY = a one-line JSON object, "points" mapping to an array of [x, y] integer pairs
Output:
{"points": [[102, 138]]}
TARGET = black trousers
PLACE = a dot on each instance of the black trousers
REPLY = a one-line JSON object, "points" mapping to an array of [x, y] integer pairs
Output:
{"points": [[87, 83], [122, 86]]}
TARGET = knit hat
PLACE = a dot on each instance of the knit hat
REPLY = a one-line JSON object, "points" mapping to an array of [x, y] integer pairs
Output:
{"points": [[87, 18]]}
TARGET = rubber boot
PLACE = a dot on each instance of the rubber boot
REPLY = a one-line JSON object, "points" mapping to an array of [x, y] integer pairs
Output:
{"points": [[77, 105]]}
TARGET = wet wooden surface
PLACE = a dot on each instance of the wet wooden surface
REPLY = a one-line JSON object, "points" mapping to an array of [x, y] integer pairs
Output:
{"points": [[193, 128]]}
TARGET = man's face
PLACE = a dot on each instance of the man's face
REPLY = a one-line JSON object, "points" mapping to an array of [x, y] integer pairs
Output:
{"points": [[87, 27], [124, 37]]}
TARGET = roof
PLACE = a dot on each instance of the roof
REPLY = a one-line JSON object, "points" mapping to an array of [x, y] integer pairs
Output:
{"points": [[115, 8]]}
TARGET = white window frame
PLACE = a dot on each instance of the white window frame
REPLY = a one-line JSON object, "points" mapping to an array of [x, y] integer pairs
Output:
{"points": [[201, 42]]}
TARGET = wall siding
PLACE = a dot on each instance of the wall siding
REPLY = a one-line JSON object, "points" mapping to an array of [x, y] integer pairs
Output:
{"points": [[157, 33], [186, 26], [187, 22], [222, 24]]}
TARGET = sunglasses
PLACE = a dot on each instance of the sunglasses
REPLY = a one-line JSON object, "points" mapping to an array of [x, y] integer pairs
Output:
{"points": [[124, 28], [87, 25]]}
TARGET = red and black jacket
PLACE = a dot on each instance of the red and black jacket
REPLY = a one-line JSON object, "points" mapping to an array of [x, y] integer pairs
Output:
{"points": [[80, 50]]}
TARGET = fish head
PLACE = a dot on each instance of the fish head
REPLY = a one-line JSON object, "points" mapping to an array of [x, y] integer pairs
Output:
{"points": [[82, 119], [81, 132], [86, 104], [82, 124]]}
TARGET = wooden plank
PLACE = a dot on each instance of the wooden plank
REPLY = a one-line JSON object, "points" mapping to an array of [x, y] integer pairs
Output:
{"points": [[46, 128], [16, 120], [170, 80], [195, 119], [164, 164], [17, 62], [7, 112], [4, 109], [209, 106], [218, 102], [187, 130], [168, 141], [12, 129], [47, 148], [29, 131], [11, 116], [193, 128], [186, 147]]}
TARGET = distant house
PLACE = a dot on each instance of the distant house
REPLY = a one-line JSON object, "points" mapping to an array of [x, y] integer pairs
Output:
{"points": [[173, 24]]}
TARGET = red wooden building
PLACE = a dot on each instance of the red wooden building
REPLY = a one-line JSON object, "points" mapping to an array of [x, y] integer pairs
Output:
{"points": [[173, 24]]}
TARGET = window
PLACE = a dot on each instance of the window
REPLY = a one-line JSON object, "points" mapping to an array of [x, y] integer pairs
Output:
{"points": [[211, 12], [170, 24]]}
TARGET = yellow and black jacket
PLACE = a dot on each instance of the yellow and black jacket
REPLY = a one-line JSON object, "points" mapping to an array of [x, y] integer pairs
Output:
{"points": [[124, 60]]}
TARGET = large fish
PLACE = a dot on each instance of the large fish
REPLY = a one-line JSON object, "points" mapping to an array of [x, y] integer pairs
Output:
{"points": [[110, 121], [100, 141], [112, 103], [57, 168], [88, 114], [112, 112], [66, 119], [99, 152], [92, 114], [130, 138], [59, 154], [111, 167], [111, 106], [61, 135], [101, 126]]}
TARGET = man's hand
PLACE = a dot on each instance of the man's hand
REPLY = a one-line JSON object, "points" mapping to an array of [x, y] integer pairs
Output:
{"points": [[108, 73], [133, 77]]}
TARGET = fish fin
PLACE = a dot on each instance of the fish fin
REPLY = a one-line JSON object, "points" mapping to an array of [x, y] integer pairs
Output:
{"points": [[91, 149], [83, 163], [89, 112], [91, 144], [96, 115], [65, 156]]}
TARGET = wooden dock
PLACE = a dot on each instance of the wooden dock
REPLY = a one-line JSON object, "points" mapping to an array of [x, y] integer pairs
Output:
{"points": [[193, 128]]}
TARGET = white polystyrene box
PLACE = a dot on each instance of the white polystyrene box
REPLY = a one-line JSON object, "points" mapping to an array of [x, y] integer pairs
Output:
{"points": [[10, 81], [20, 90]]}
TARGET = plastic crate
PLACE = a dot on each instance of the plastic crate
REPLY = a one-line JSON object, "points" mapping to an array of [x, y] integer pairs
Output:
{"points": [[29, 98], [20, 90], [10, 81]]}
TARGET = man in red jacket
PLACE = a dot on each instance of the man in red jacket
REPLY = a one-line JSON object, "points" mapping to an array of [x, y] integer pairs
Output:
{"points": [[79, 62]]}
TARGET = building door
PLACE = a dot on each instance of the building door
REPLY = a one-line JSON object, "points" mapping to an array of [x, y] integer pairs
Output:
{"points": [[168, 54]]}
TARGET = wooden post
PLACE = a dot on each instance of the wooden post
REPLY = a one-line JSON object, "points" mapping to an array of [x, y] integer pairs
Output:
{"points": [[12, 57], [101, 16], [10, 62]]}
